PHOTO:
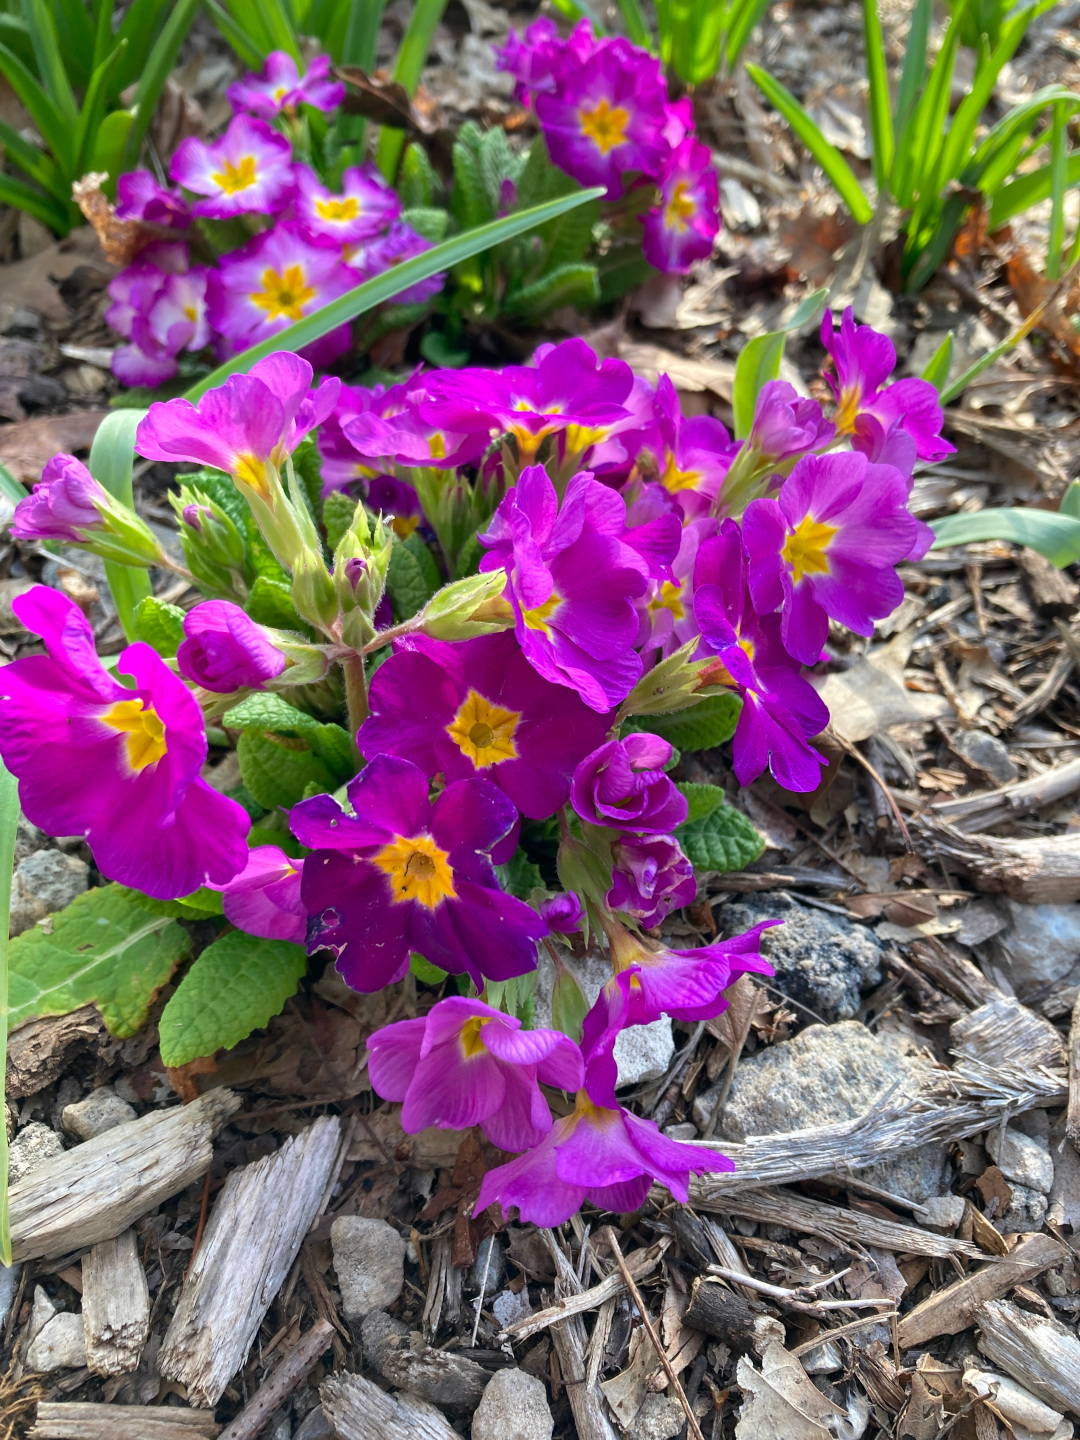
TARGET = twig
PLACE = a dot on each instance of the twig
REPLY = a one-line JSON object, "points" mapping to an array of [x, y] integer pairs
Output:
{"points": [[826, 1335], [280, 1383], [1072, 1116], [857, 755], [680, 1394], [483, 1287], [729, 1076], [797, 1299], [204, 1207]]}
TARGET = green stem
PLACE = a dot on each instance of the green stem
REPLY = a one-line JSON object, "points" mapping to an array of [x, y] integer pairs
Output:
{"points": [[356, 697], [9, 822]]}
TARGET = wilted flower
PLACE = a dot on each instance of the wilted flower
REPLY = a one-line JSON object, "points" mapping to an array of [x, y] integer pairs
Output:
{"points": [[622, 785], [651, 877]]}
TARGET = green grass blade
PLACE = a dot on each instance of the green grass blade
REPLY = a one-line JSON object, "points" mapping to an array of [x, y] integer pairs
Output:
{"points": [[410, 272], [759, 361], [743, 15], [139, 27], [913, 73], [43, 207], [1059, 174], [881, 126], [245, 46], [159, 66], [9, 824], [51, 126], [940, 363], [415, 45], [361, 37], [54, 78], [34, 163], [11, 488], [1054, 535], [112, 457], [826, 155], [921, 141], [634, 20], [93, 109], [1027, 190], [103, 36]]}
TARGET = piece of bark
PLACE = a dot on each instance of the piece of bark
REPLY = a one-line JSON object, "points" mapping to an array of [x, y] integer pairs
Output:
{"points": [[1050, 588], [955, 974], [253, 1236], [721, 1313], [956, 1103], [40, 1051], [359, 1410], [452, 1382], [57, 1421], [101, 1187], [1040, 1354], [571, 1346], [1004, 1032], [116, 1305], [281, 1382], [1072, 1117], [1044, 870], [953, 1309], [984, 811]]}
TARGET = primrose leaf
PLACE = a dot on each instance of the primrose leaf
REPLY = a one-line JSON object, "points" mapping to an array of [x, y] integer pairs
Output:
{"points": [[722, 840], [235, 986], [104, 949], [702, 799], [161, 625], [710, 722], [277, 771]]}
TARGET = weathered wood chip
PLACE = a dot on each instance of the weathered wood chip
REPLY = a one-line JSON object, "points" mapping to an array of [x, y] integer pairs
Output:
{"points": [[1040, 1354], [1004, 1032], [56, 1421], [359, 1410], [116, 1305]]}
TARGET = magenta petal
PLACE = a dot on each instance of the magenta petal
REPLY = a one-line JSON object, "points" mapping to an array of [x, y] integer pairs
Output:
{"points": [[393, 1054], [452, 1091]]}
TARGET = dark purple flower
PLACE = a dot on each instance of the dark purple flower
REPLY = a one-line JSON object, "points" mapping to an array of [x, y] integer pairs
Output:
{"points": [[786, 424], [572, 582], [225, 650], [780, 709], [562, 913], [696, 454], [668, 619], [478, 707], [622, 785], [829, 545], [651, 878], [119, 765], [403, 873], [140, 197]]}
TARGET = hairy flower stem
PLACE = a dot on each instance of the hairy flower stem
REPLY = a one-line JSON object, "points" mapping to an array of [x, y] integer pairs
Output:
{"points": [[356, 696]]}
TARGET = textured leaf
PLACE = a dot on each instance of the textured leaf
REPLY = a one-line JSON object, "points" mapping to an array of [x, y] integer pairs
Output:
{"points": [[567, 285], [334, 745], [159, 624], [702, 799], [425, 971], [430, 221], [406, 582], [338, 510], [270, 603], [186, 909], [519, 876], [103, 949], [266, 711], [276, 772], [723, 840], [710, 722], [417, 180], [235, 986]]}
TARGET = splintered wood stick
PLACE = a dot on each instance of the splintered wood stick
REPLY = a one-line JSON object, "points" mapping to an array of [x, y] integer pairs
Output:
{"points": [[116, 1305], [101, 1187], [641, 1263], [568, 1337], [282, 1381], [253, 1236], [1072, 1117], [1040, 1354], [75, 1421], [359, 1410]]}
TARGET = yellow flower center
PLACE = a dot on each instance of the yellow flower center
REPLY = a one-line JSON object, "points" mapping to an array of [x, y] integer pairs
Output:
{"points": [[605, 125], [847, 410], [805, 549], [252, 471], [344, 209], [284, 294], [143, 728], [232, 177], [471, 1041], [190, 312], [673, 479], [537, 619], [418, 870], [679, 208], [585, 1109], [668, 599], [483, 731]]}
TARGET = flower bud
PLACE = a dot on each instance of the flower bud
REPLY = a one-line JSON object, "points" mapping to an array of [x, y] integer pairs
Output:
{"points": [[305, 664], [672, 684], [225, 650], [213, 546], [467, 608], [69, 505], [313, 591]]}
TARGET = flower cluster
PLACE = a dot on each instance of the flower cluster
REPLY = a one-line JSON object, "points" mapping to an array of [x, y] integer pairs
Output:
{"points": [[603, 109], [608, 561], [251, 239]]}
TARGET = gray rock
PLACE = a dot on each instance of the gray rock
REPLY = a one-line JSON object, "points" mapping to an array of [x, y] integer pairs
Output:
{"points": [[43, 883], [944, 1212], [59, 1345], [986, 753], [660, 1418], [41, 1313], [514, 1406], [101, 1110], [488, 1268], [32, 1146], [1021, 1159], [452, 1382], [369, 1260], [315, 1427], [821, 960], [827, 1074], [1026, 1211], [642, 1052], [9, 1288], [29, 838], [1041, 944]]}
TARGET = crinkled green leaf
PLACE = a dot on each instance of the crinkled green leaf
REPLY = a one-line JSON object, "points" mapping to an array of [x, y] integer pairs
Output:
{"points": [[702, 799], [104, 949], [338, 510], [159, 624], [723, 840], [334, 744], [266, 711], [425, 971], [407, 584], [577, 285], [710, 722], [430, 221], [235, 986], [270, 603], [276, 771], [184, 909], [519, 876]]}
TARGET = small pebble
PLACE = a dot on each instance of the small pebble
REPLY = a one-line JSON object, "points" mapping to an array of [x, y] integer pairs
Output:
{"points": [[61, 1345], [369, 1260], [514, 1406], [101, 1110], [30, 1149]]}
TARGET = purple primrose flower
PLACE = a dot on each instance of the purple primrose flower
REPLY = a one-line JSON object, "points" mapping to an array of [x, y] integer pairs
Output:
{"points": [[65, 505], [786, 424], [225, 650], [562, 913], [119, 765], [478, 707], [657, 980], [366, 204], [404, 873], [279, 86], [140, 197], [622, 785], [264, 899], [683, 226], [651, 877], [248, 170], [466, 1064]]}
